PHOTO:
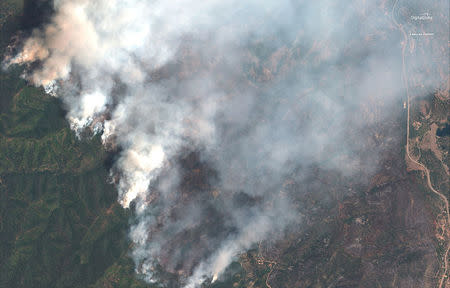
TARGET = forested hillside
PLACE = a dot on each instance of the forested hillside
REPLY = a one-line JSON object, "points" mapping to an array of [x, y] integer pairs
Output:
{"points": [[60, 224]]}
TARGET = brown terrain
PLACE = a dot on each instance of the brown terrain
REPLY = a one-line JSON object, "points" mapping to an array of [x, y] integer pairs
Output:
{"points": [[393, 231], [382, 228]]}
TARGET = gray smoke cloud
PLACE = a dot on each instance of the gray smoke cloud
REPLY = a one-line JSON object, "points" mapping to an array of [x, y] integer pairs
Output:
{"points": [[214, 105]]}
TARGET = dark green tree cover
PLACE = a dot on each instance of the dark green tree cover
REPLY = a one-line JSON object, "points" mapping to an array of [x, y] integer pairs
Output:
{"points": [[60, 224]]}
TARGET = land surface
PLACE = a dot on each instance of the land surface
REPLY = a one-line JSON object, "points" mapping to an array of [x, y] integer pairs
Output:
{"points": [[60, 224]]}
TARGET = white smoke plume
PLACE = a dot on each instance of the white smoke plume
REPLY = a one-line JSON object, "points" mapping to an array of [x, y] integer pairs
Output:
{"points": [[250, 91]]}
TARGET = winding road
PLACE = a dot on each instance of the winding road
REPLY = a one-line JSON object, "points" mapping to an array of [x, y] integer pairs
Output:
{"points": [[423, 167]]}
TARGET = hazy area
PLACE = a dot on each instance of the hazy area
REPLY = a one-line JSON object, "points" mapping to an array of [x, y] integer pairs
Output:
{"points": [[224, 119]]}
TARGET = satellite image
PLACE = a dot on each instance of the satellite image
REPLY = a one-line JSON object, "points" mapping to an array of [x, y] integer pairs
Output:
{"points": [[224, 144]]}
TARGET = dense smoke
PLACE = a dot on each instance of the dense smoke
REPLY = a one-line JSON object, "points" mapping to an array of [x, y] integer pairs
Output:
{"points": [[251, 92]]}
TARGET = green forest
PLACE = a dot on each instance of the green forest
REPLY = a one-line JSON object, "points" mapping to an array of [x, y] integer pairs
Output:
{"points": [[60, 224]]}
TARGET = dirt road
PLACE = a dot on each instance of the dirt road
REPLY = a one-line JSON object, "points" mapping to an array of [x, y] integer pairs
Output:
{"points": [[423, 167]]}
